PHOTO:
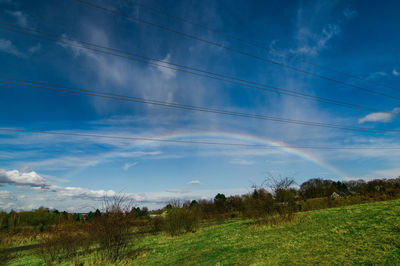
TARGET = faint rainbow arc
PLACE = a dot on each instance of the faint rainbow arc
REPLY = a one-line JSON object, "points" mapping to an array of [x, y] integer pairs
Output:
{"points": [[247, 139]]}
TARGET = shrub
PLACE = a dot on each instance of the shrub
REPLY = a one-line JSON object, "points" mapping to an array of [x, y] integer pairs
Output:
{"points": [[111, 230], [208, 208], [62, 244], [5, 256], [258, 205], [180, 220], [157, 223]]}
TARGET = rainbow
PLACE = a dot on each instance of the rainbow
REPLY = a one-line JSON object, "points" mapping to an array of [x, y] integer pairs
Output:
{"points": [[201, 136]]}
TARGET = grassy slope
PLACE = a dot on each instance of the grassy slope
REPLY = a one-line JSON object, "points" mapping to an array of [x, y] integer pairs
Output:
{"points": [[368, 233], [354, 234]]}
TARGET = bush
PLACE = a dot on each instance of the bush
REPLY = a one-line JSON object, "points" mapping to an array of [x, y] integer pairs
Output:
{"points": [[180, 220], [111, 230], [5, 256], [258, 205], [157, 223], [63, 244]]}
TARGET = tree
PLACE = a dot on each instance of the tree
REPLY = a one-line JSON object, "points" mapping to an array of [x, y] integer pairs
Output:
{"points": [[284, 194], [220, 202], [111, 229], [219, 197], [193, 204], [318, 188]]}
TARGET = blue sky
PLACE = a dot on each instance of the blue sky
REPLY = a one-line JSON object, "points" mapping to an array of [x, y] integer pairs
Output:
{"points": [[74, 173]]}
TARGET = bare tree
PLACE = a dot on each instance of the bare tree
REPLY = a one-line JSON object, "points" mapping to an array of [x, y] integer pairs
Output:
{"points": [[112, 228], [278, 183], [284, 194]]}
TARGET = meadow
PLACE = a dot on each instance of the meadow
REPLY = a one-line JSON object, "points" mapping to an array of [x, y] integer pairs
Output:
{"points": [[358, 234]]}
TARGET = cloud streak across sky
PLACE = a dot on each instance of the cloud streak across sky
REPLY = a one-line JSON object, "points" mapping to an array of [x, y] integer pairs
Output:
{"points": [[380, 116], [77, 172]]}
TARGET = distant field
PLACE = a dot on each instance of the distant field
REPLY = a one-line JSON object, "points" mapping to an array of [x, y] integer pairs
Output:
{"points": [[358, 234]]}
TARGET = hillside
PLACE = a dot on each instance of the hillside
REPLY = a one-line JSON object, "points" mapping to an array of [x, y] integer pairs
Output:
{"points": [[366, 233]]}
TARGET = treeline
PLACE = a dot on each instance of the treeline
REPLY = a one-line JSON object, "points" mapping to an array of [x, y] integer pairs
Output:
{"points": [[274, 196], [281, 196]]}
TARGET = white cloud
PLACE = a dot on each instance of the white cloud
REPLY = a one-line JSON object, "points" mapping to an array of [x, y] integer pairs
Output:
{"points": [[65, 162], [177, 191], [241, 162], [350, 13], [78, 192], [19, 16], [167, 72], [79, 198], [4, 194], [195, 182], [15, 177], [394, 72], [129, 165], [8, 47], [26, 168], [379, 116], [40, 184]]}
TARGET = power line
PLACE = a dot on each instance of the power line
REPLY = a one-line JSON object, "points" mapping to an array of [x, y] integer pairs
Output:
{"points": [[188, 141], [116, 12], [252, 43], [191, 70], [193, 108]]}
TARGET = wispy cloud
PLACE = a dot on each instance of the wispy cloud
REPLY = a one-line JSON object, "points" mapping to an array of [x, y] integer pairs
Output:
{"points": [[379, 116], [377, 75], [311, 43], [313, 32], [129, 165], [177, 191], [395, 72], [385, 173], [241, 161], [166, 72], [134, 154], [35, 48], [350, 13], [8, 47], [184, 189], [19, 16]]}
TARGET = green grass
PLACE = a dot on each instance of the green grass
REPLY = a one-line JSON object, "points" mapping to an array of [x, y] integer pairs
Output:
{"points": [[358, 234]]}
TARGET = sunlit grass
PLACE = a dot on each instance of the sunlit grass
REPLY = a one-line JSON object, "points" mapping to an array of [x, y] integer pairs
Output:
{"points": [[358, 234]]}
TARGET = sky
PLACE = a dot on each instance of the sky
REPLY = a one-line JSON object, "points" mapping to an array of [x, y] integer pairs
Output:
{"points": [[328, 38]]}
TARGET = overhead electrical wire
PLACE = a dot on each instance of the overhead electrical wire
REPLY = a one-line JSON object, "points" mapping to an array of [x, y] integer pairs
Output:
{"points": [[177, 141], [222, 77], [116, 12], [253, 43], [182, 68], [42, 85]]}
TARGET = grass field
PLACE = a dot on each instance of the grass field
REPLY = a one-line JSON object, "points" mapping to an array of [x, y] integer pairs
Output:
{"points": [[358, 234]]}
